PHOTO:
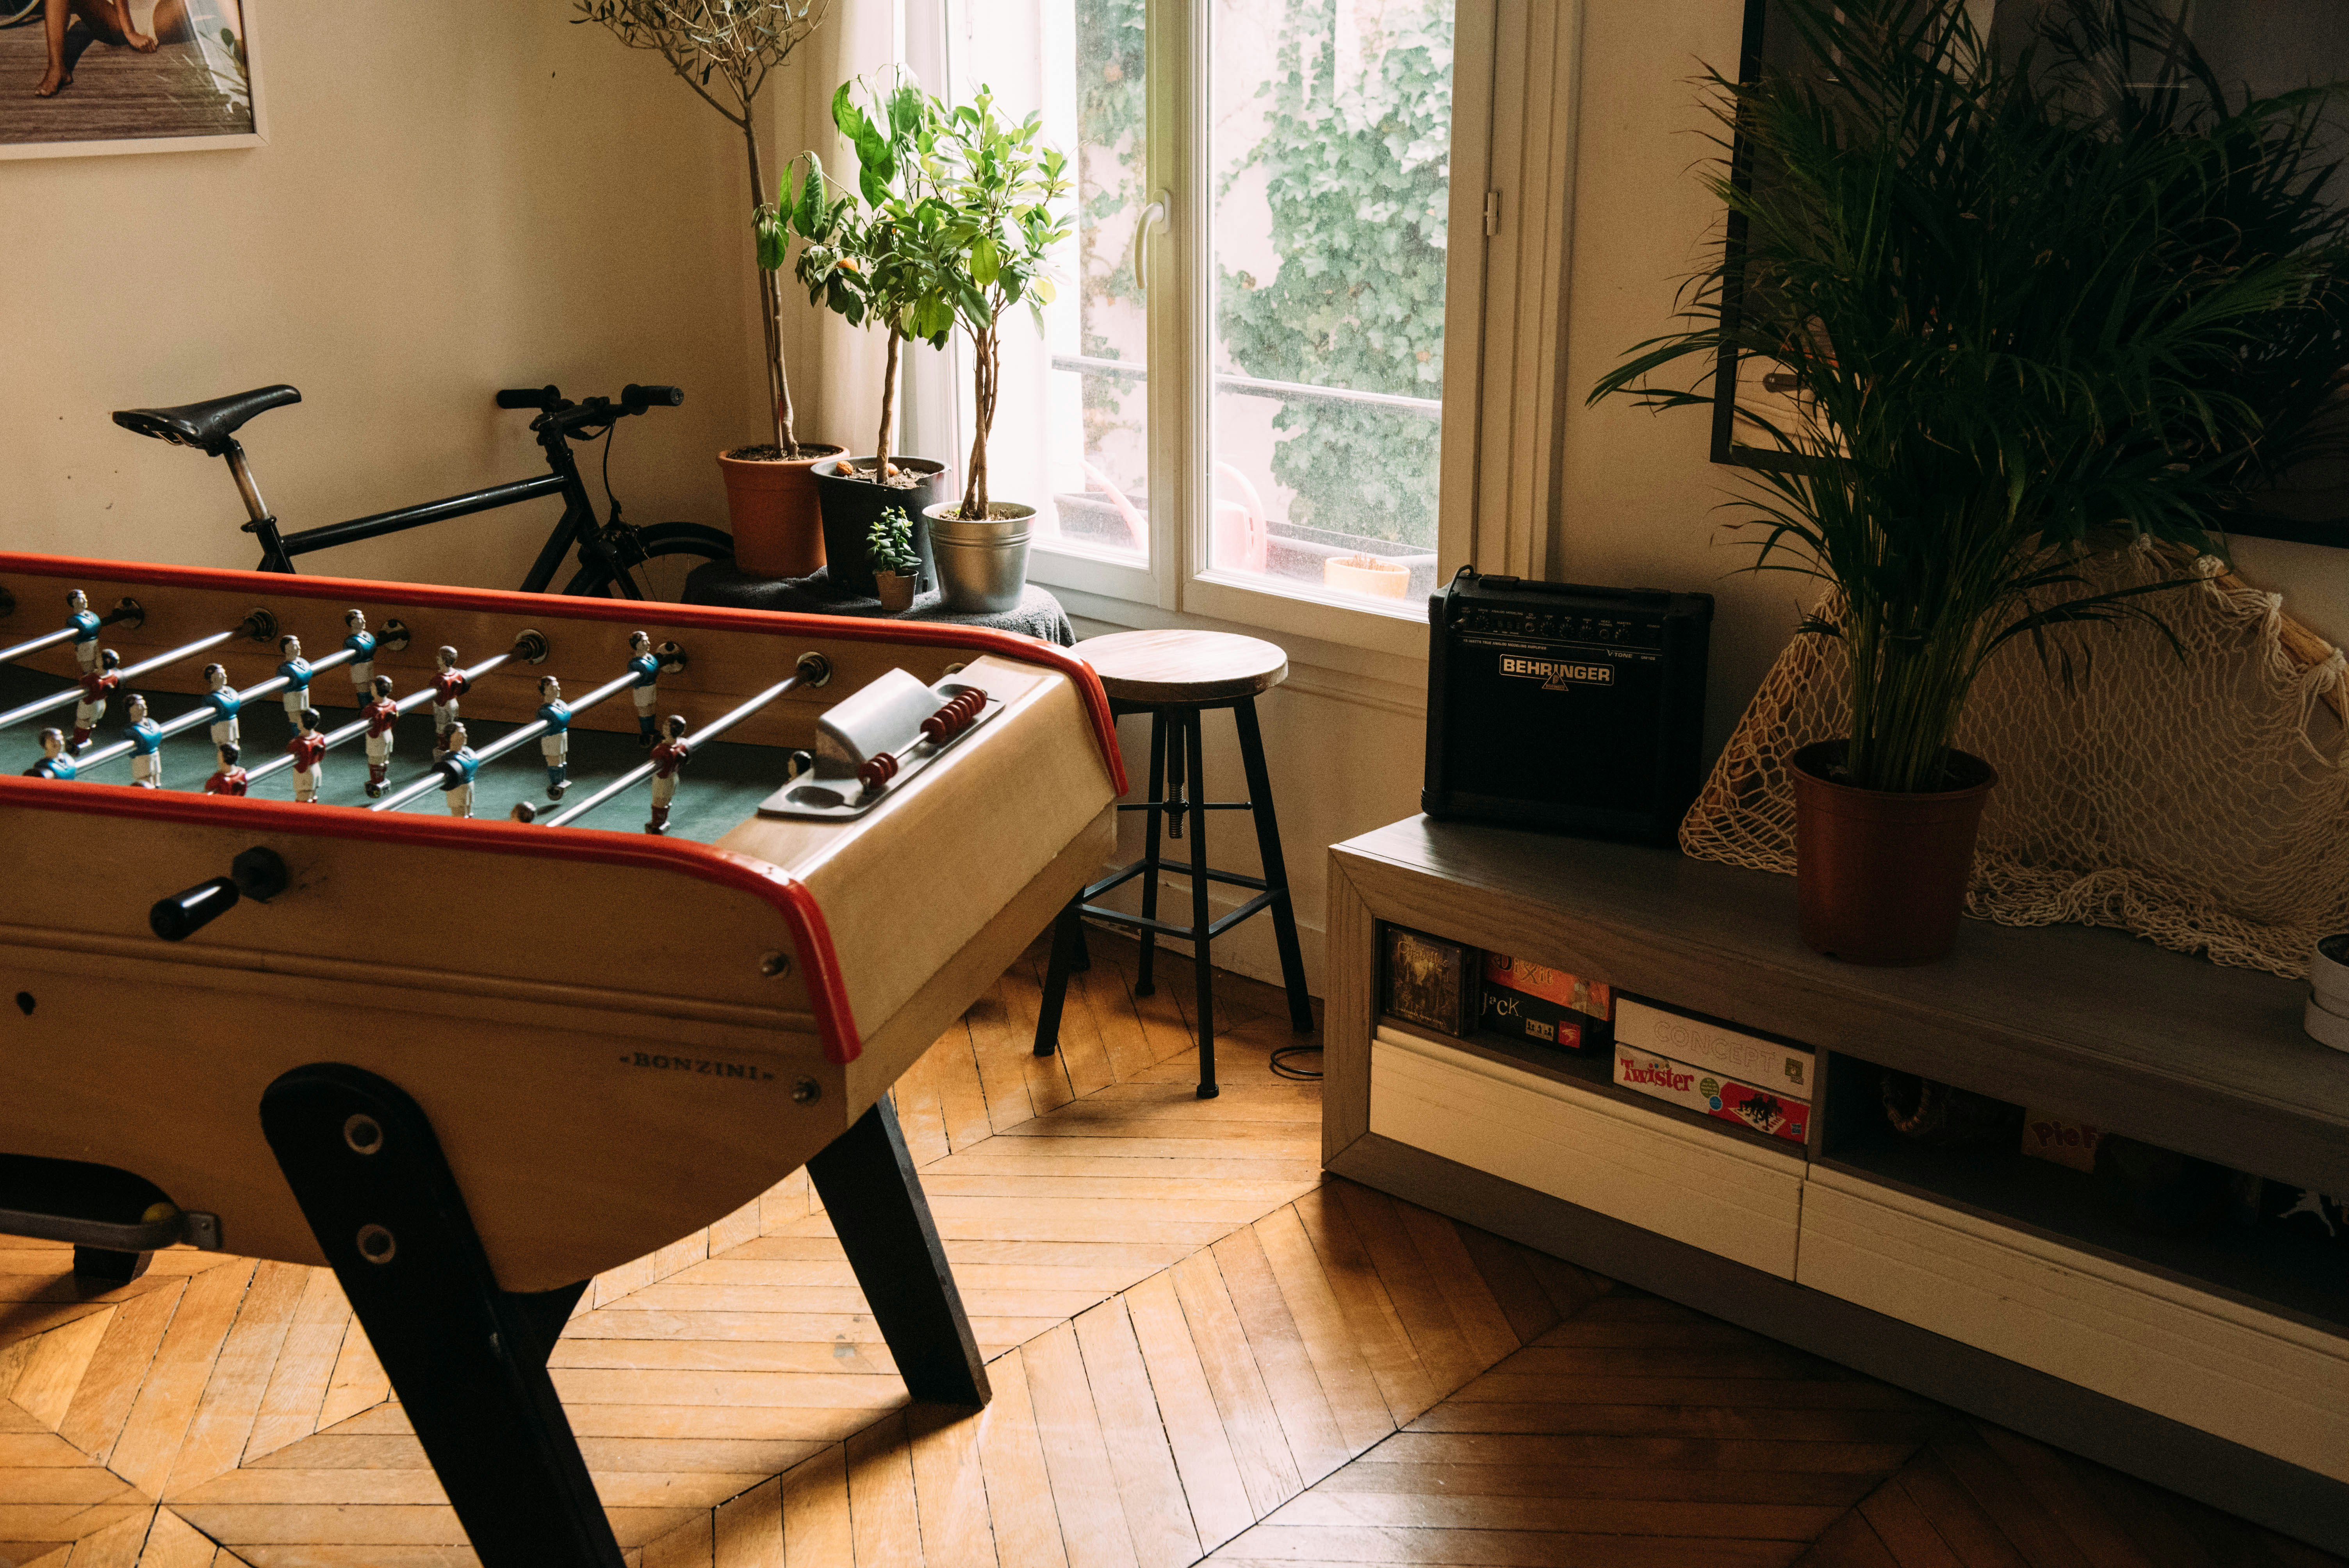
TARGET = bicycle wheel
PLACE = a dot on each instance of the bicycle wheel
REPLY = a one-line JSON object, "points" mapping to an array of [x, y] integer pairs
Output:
{"points": [[15, 11], [659, 558]]}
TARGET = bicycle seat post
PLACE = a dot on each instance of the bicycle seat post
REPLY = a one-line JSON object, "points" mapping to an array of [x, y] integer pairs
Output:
{"points": [[264, 526]]}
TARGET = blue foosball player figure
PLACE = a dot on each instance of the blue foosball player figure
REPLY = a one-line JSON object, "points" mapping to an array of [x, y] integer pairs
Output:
{"points": [[146, 739], [54, 762], [297, 671], [361, 643], [642, 660], [222, 698], [555, 744], [86, 626], [457, 766]]}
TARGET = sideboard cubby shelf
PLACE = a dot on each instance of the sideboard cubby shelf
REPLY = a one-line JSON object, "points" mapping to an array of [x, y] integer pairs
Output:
{"points": [[2214, 1361]]}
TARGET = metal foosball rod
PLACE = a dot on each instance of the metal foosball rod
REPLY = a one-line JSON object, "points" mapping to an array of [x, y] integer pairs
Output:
{"points": [[814, 670], [530, 647], [261, 626], [83, 628], [200, 715], [445, 772]]}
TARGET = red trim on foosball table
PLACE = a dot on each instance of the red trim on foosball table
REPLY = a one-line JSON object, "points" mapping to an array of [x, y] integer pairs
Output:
{"points": [[848, 628], [827, 996]]}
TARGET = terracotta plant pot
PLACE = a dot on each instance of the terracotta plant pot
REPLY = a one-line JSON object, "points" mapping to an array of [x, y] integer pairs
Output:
{"points": [[771, 501], [1881, 877], [895, 590], [851, 507], [1366, 575]]}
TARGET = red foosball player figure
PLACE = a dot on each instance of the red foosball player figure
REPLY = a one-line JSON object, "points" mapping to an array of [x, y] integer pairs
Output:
{"points": [[668, 754], [382, 715], [54, 762], [230, 778], [447, 686], [97, 686], [308, 749]]}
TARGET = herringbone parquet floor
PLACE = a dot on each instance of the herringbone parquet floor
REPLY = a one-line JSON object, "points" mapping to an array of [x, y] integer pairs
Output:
{"points": [[1199, 1349]]}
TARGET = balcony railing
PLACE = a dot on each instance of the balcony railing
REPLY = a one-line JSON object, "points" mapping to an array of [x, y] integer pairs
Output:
{"points": [[1127, 369]]}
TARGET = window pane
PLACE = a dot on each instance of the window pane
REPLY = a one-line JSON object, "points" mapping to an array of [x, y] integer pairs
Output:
{"points": [[1073, 436], [1331, 146]]}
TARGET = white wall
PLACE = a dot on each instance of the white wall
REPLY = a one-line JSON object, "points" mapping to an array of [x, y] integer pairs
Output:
{"points": [[1639, 487], [456, 197]]}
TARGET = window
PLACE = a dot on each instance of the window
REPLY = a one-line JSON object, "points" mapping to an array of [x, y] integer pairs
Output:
{"points": [[1239, 415]]}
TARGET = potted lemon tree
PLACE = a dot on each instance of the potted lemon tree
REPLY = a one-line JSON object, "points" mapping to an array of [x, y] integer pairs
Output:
{"points": [[2020, 328], [998, 183], [872, 256]]}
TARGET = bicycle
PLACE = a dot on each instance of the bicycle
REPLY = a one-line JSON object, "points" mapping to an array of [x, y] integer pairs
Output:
{"points": [[616, 558]]}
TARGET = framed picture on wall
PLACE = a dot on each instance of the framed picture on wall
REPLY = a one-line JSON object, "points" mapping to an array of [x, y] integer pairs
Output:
{"points": [[2266, 46], [82, 77]]}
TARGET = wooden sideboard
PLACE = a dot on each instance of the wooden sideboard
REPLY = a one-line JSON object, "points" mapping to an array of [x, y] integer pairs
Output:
{"points": [[2215, 1364]]}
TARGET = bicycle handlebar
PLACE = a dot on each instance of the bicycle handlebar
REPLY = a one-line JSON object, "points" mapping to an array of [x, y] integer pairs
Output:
{"points": [[550, 403]]}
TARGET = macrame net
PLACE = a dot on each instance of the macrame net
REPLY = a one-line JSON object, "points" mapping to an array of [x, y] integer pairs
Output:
{"points": [[2201, 801]]}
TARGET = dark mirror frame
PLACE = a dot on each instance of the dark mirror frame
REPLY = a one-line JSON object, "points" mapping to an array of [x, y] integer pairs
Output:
{"points": [[1726, 448]]}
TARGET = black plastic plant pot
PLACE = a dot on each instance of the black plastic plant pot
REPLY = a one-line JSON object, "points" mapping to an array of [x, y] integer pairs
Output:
{"points": [[851, 506]]}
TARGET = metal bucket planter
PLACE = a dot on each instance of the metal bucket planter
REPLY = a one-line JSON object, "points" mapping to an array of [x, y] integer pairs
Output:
{"points": [[982, 566]]}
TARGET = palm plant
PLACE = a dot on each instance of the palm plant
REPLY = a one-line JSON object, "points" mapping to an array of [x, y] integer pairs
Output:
{"points": [[2029, 310]]}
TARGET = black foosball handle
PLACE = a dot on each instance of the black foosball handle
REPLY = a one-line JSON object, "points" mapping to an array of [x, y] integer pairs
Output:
{"points": [[257, 873]]}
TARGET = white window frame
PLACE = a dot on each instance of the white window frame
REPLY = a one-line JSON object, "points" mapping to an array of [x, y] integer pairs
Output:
{"points": [[1177, 583]]}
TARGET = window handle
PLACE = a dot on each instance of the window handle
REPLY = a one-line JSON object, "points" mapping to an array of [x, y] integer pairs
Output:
{"points": [[1153, 215]]}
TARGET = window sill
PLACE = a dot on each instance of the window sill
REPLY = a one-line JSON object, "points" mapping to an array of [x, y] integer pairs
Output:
{"points": [[1393, 681]]}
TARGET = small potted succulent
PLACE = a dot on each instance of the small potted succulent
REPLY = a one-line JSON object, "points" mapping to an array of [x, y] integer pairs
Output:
{"points": [[996, 184], [897, 569], [724, 54], [870, 256]]}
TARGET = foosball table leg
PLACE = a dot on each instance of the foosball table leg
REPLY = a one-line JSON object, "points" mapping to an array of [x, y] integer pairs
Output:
{"points": [[466, 1359], [869, 1187]]}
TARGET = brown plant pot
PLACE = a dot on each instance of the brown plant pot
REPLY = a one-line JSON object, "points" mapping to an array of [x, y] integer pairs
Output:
{"points": [[1881, 877], [895, 590], [771, 502]]}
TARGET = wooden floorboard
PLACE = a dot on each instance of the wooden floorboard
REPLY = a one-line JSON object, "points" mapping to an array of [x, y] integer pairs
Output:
{"points": [[1199, 1349]]}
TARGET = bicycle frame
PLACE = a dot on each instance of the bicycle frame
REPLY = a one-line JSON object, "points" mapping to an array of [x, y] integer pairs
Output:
{"points": [[578, 527]]}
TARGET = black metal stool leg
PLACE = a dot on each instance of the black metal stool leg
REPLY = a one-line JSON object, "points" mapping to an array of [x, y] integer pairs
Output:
{"points": [[1201, 962], [1275, 869], [1142, 982], [466, 1359], [869, 1187], [1067, 942]]}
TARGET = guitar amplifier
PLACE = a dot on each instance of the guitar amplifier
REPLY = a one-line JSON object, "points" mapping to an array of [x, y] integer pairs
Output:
{"points": [[1551, 705]]}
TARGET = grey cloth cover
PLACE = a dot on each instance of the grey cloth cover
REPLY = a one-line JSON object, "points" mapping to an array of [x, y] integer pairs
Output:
{"points": [[1038, 614]]}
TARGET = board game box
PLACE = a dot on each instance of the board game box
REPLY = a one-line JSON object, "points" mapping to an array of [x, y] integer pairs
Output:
{"points": [[1533, 1002], [1713, 1094]]}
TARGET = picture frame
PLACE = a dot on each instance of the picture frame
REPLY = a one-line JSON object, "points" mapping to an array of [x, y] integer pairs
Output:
{"points": [[2263, 42], [197, 89]]}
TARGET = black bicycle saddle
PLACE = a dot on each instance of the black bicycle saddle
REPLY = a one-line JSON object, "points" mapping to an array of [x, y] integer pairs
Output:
{"points": [[207, 425]]}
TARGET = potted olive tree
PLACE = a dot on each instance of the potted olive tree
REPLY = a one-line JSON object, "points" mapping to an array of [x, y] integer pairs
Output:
{"points": [[2018, 328], [724, 53], [997, 182], [873, 261]]}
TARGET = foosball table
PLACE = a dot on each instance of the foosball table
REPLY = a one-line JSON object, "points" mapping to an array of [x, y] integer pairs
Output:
{"points": [[470, 944]]}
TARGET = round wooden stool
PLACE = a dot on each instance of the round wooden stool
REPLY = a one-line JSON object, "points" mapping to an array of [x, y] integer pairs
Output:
{"points": [[1175, 677]]}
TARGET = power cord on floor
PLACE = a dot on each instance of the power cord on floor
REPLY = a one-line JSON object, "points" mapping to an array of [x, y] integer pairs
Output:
{"points": [[1281, 1068]]}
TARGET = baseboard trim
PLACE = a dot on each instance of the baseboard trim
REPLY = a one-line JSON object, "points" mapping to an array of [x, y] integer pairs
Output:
{"points": [[2283, 1497]]}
